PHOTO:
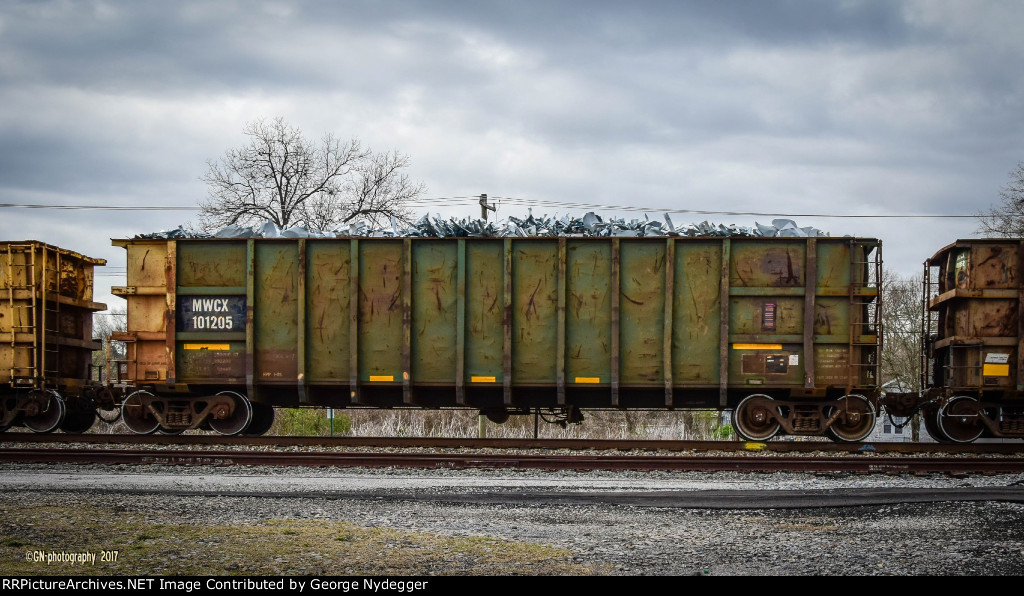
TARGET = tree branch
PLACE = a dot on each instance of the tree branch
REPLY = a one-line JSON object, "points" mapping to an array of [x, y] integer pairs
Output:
{"points": [[281, 177]]}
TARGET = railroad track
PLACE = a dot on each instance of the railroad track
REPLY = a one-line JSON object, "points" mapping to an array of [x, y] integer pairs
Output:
{"points": [[994, 448], [887, 464], [546, 454]]}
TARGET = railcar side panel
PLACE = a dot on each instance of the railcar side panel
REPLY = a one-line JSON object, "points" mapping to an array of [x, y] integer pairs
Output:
{"points": [[642, 317], [46, 306], [697, 308], [434, 328], [588, 313], [482, 274], [276, 312], [504, 322], [534, 311], [380, 335], [327, 307]]}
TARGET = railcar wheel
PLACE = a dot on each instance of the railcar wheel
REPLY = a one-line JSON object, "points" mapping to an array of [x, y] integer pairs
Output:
{"points": [[78, 420], [46, 412], [230, 421], [754, 419], [136, 414], [930, 416], [262, 419], [960, 419], [856, 421]]}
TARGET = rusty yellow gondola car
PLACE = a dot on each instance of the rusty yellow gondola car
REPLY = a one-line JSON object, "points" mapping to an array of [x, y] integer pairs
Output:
{"points": [[46, 342], [972, 363]]}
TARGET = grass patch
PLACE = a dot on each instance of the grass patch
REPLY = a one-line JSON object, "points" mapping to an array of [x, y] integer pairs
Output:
{"points": [[144, 545]]}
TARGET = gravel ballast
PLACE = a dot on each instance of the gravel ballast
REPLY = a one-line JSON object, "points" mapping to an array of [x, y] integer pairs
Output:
{"points": [[603, 538]]}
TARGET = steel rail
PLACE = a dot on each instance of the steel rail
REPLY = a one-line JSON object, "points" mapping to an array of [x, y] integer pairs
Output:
{"points": [[1008, 447], [745, 463]]}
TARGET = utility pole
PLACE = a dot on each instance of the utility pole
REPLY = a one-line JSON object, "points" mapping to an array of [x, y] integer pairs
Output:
{"points": [[484, 207], [481, 431]]}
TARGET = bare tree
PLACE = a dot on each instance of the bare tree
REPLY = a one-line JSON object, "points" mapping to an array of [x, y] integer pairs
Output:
{"points": [[1007, 219], [104, 324], [378, 189], [901, 321], [281, 177], [902, 308]]}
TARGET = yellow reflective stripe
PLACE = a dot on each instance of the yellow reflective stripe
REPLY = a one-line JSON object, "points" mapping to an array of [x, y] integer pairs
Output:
{"points": [[382, 378], [757, 346], [996, 370], [475, 379], [221, 347], [588, 379]]}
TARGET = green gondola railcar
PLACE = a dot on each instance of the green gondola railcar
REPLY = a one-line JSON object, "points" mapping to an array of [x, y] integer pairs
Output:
{"points": [[784, 331]]}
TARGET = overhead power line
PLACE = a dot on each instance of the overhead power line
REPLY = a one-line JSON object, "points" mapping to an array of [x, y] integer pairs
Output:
{"points": [[467, 201], [525, 202], [97, 207]]}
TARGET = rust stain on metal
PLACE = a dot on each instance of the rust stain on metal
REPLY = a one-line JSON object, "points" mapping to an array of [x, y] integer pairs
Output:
{"points": [[577, 303], [531, 304], [437, 294], [823, 319], [790, 278], [320, 324], [494, 300], [994, 271]]}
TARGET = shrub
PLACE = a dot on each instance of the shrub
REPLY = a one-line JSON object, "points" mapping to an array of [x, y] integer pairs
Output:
{"points": [[308, 422]]}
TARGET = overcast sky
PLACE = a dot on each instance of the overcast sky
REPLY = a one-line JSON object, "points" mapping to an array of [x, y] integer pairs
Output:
{"points": [[778, 107]]}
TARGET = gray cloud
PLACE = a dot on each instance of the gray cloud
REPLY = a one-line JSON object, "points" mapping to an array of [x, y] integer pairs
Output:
{"points": [[873, 107]]}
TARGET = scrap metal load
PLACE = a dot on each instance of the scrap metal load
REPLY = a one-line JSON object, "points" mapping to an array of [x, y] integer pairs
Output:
{"points": [[590, 224]]}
